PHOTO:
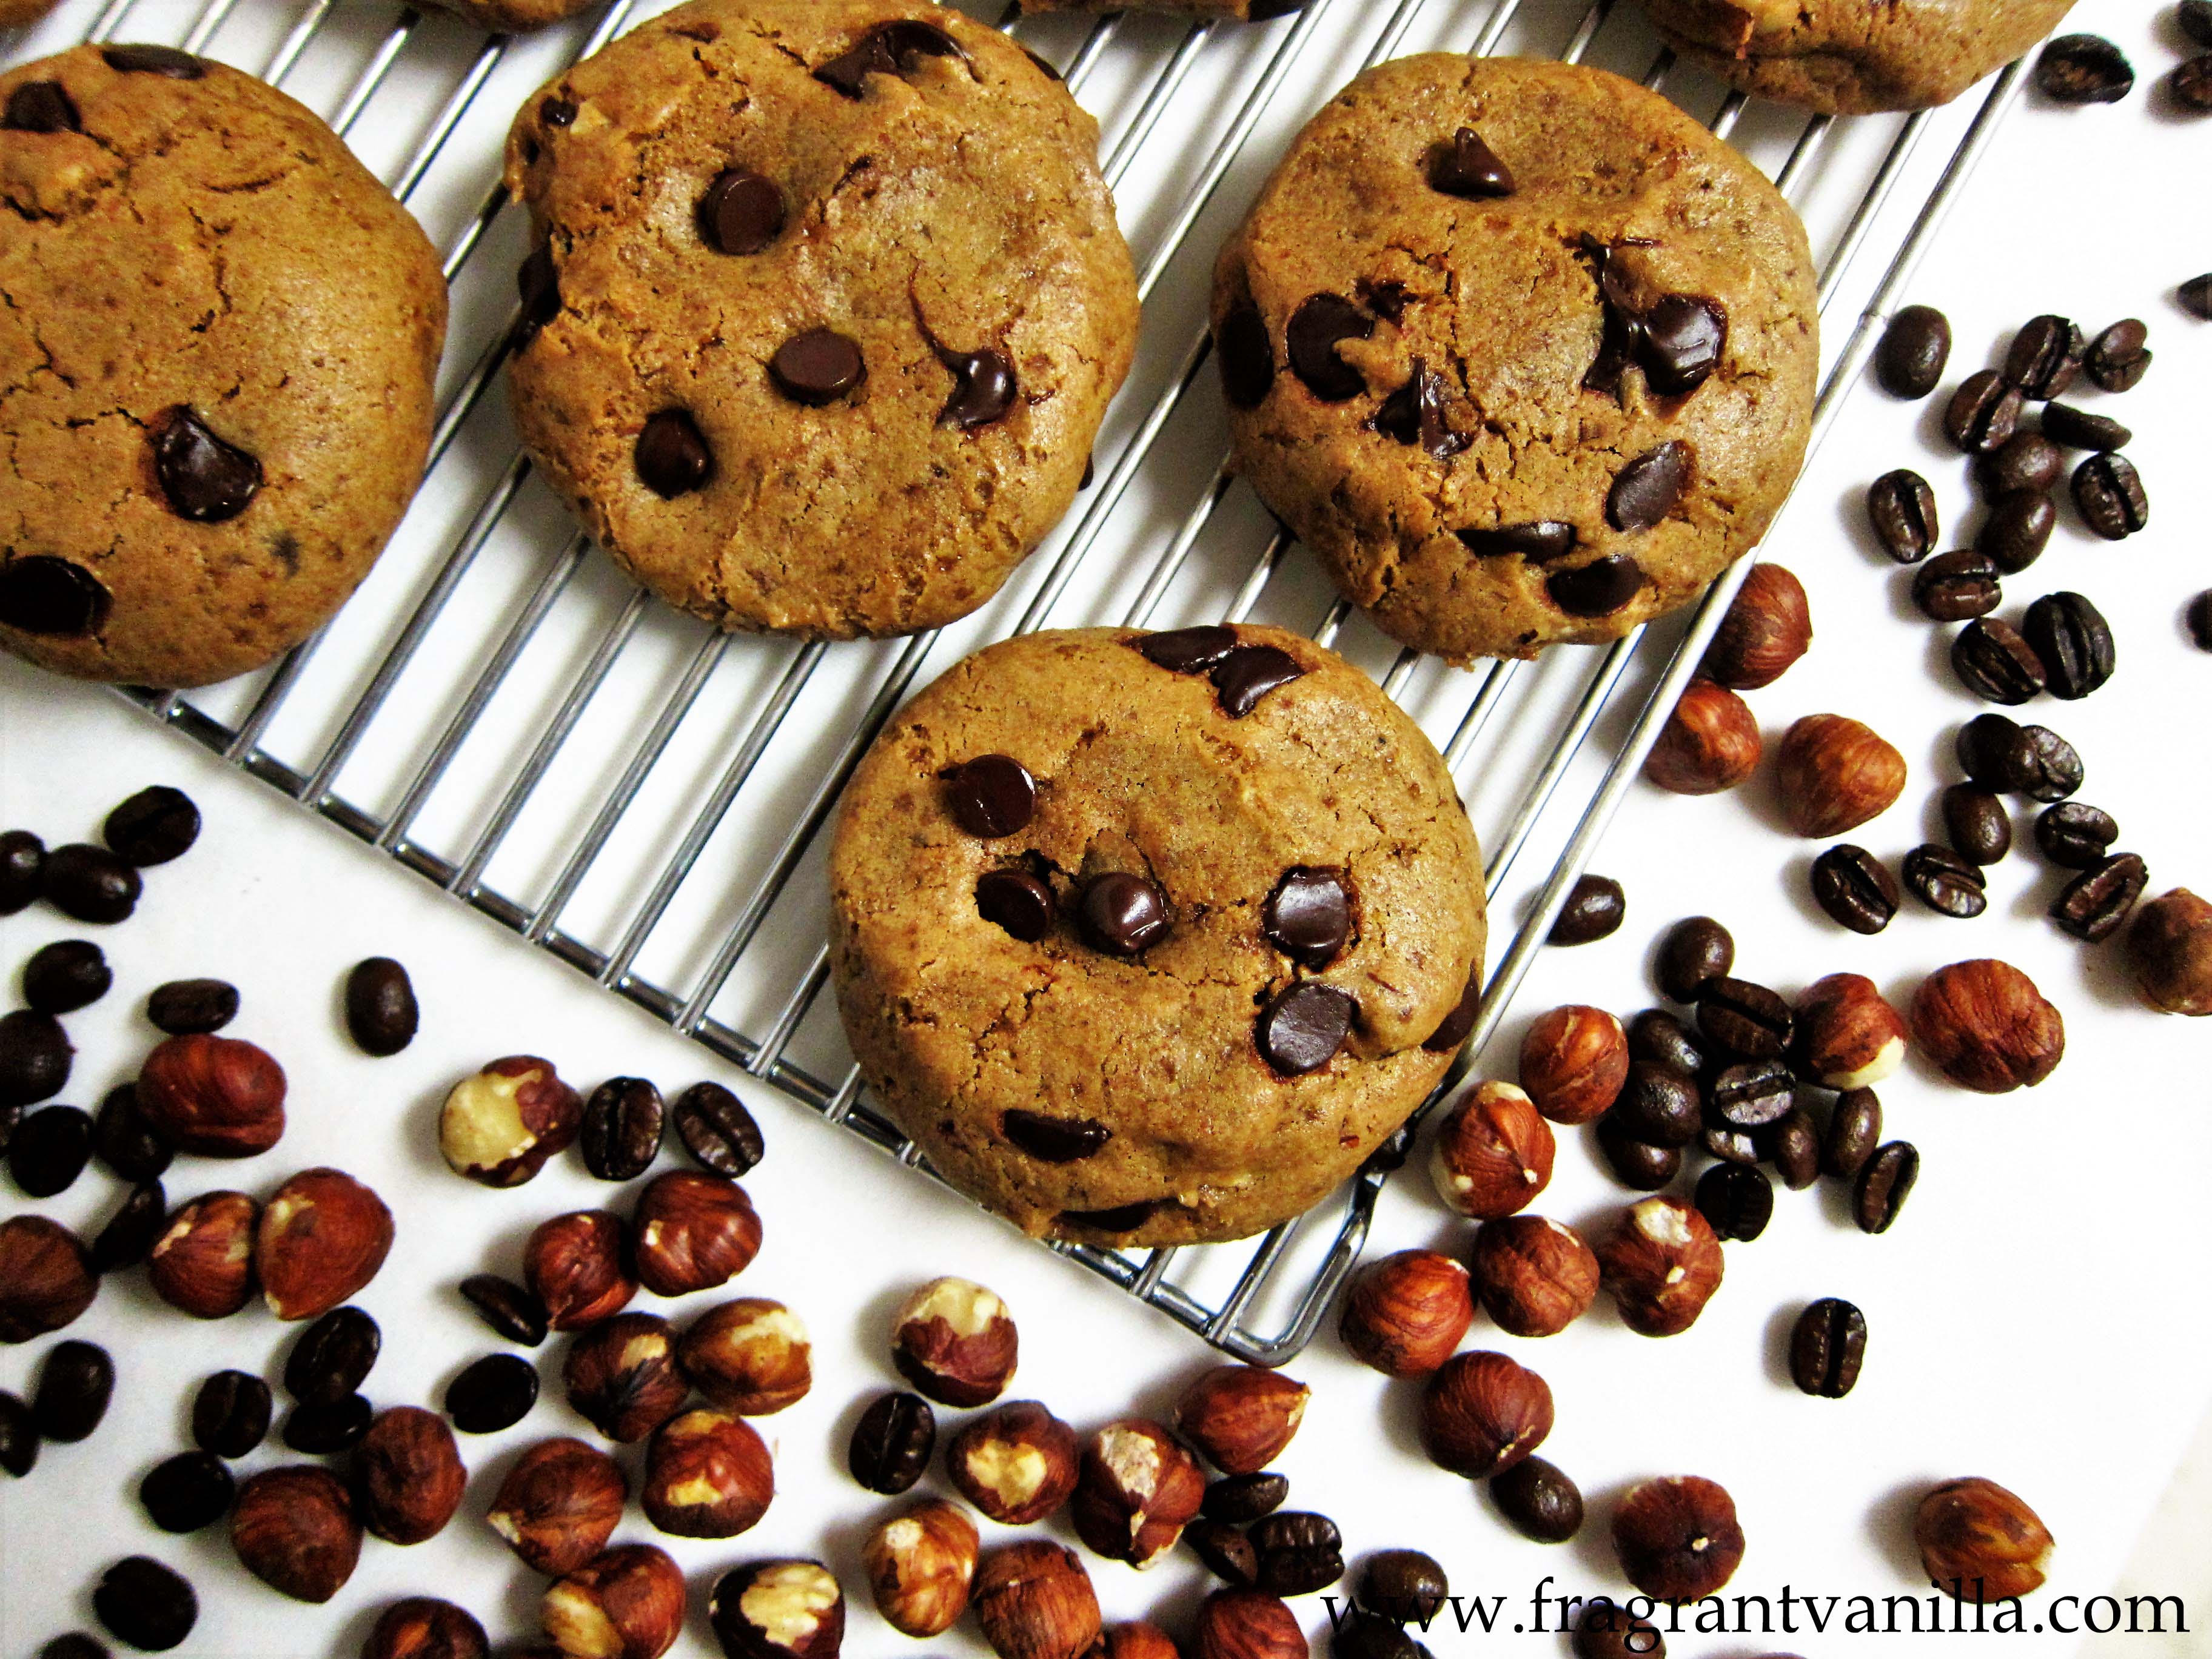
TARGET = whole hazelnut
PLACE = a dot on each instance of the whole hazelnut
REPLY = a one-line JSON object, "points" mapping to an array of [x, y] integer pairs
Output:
{"points": [[1135, 1492], [921, 1566], [1481, 1412], [708, 1475], [1034, 1601], [214, 1096], [1979, 1541], [694, 1231], [1846, 1036], [1136, 1639], [1768, 627], [1245, 1624], [409, 1474], [296, 1530], [559, 1504], [322, 1237], [955, 1341], [620, 1376], [1710, 743], [1834, 773], [1608, 1631], [1017, 1464], [1573, 1061], [1405, 1315], [750, 1356], [1241, 1416], [778, 1610], [1984, 1025], [45, 1278], [424, 1627], [1535, 1276], [2170, 948], [499, 1126], [578, 1268], [202, 1262], [1677, 1537], [1492, 1153], [626, 1603], [1662, 1266]]}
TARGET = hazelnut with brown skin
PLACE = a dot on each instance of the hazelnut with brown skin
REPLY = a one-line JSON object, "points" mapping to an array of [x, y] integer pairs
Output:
{"points": [[202, 1262], [1482, 1413], [955, 1341], [1535, 1276], [500, 1125], [1492, 1153], [1984, 1025], [2170, 949], [750, 1356], [1136, 1639], [1017, 1464], [45, 1278], [921, 1567], [1573, 1062], [322, 1237], [1834, 773], [1245, 1624], [1241, 1416], [1846, 1036], [627, 1603], [578, 1268], [213, 1097], [1608, 1631], [778, 1610], [1768, 627], [1662, 1266], [708, 1475], [1136, 1489], [1405, 1315], [622, 1377], [409, 1475], [294, 1529], [559, 1504], [1677, 1537], [1033, 1600], [1710, 743], [693, 1231], [1980, 1542], [424, 1627]]}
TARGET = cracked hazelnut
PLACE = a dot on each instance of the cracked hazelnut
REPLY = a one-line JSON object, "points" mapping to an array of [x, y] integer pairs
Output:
{"points": [[1710, 743], [694, 1231], [750, 1356], [1135, 1639], [1492, 1153], [1846, 1036], [622, 1377], [1768, 627], [1017, 1464], [1662, 1266], [627, 1603], [202, 1262], [1241, 1416], [1137, 1489], [577, 1266], [409, 1474], [1677, 1537], [2170, 948], [1573, 1062], [45, 1278], [424, 1627], [559, 1504], [1979, 1541], [1245, 1624], [707, 1475], [321, 1239], [1034, 1601], [1834, 773], [296, 1530], [955, 1341], [1535, 1276], [1481, 1412], [1405, 1315], [922, 1565], [1984, 1025], [214, 1096], [778, 1610], [499, 1126]]}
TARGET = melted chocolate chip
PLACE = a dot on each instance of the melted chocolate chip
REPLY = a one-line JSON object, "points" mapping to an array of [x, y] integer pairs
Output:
{"points": [[671, 456], [983, 387], [1055, 1139], [1049, 72], [1539, 543], [1308, 916], [1597, 589], [41, 106], [1468, 166], [1414, 414], [1301, 1031], [741, 212], [1681, 342], [889, 49], [1458, 1023], [539, 285], [1123, 915], [1387, 299], [991, 796], [817, 367], [1650, 487], [51, 597], [205, 479], [1187, 650], [1248, 673], [1247, 358], [557, 113], [1121, 1218], [1017, 900], [154, 60], [1317, 326]]}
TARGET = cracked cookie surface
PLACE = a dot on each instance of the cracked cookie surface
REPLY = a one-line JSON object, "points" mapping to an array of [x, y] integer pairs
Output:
{"points": [[1523, 352], [218, 333], [830, 301], [1134, 967]]}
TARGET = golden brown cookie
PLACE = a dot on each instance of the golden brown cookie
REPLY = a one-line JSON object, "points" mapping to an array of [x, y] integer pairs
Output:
{"points": [[1520, 349], [514, 17], [216, 348], [830, 301], [13, 12], [1150, 938]]}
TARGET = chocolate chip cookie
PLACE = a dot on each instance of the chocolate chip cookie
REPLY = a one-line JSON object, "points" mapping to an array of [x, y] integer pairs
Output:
{"points": [[1520, 349], [1246, 11], [1149, 938], [514, 17], [217, 337], [16, 12], [1848, 56], [828, 302]]}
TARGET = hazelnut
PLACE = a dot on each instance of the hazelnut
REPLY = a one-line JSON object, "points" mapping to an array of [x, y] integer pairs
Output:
{"points": [[627, 1603], [1136, 1639], [1710, 743], [214, 1096], [778, 1610], [500, 1126], [1847, 1036], [1979, 1541], [1244, 1624], [1573, 1061], [1241, 1416], [424, 1627], [202, 1262], [694, 1231], [1986, 1027], [1034, 1601], [322, 1237], [1608, 1630], [1662, 1266], [1768, 627], [1137, 1489], [559, 1504], [1834, 773], [577, 1266], [707, 1475], [620, 1376], [1492, 1153], [1677, 1537], [1535, 1276], [45, 1278], [922, 1565], [1405, 1315], [955, 1341], [296, 1530], [1481, 1412], [750, 1356], [2170, 947], [1017, 1464], [408, 1473]]}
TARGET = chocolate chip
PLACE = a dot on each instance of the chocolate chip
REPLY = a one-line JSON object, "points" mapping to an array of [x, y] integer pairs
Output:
{"points": [[152, 826], [52, 597], [671, 456], [1650, 487], [1683, 335], [991, 796], [1308, 916], [1320, 324], [1017, 900], [983, 387], [154, 60], [1248, 673], [741, 212], [1596, 589], [205, 479], [1414, 414], [1055, 1139], [888, 49], [1123, 915], [817, 367], [1301, 1031], [40, 106], [557, 113], [1467, 166], [1044, 66], [1388, 299], [1187, 650], [1120, 1218], [1540, 542], [539, 286], [1248, 356]]}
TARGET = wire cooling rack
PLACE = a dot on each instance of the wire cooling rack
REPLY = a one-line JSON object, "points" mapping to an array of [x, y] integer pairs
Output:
{"points": [[644, 797]]}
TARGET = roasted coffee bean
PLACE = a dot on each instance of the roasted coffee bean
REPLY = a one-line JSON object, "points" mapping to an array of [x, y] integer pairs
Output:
{"points": [[1697, 949], [506, 1308], [1055, 1139], [2015, 532], [2093, 905], [1744, 1018], [19, 1437], [1638, 1166], [1792, 1144], [1902, 509], [671, 456], [1123, 915], [2077, 428], [1884, 1182], [1650, 487], [2084, 69], [1995, 662], [320, 1430], [1993, 752], [332, 1357], [10, 1116], [152, 826], [23, 863], [204, 478], [1596, 589], [49, 1150], [34, 1057], [1976, 821], [1227, 1552], [816, 366], [1656, 1104], [2028, 461], [2073, 641], [186, 1007], [2190, 85], [52, 597], [1730, 1146], [76, 1381], [2197, 618], [991, 797], [2117, 358], [1827, 1346], [1308, 916], [493, 1393], [1914, 350], [230, 1413], [891, 1443], [131, 1233], [1983, 413], [89, 884], [1248, 357], [2196, 297], [125, 1141], [1360, 1634], [2055, 770], [1467, 166], [1854, 1130], [66, 975], [1750, 1094], [2194, 17], [380, 1011], [1656, 1036], [1322, 323], [1944, 882], [2108, 493], [187, 1491], [621, 1135], [2045, 356], [41, 106], [1016, 901], [1739, 1201], [1241, 1500], [1301, 1029], [2074, 835], [740, 213], [1299, 1551], [1403, 1585], [140, 1602], [1592, 911], [1539, 1501], [1855, 888], [717, 1130], [1248, 673], [1955, 587]]}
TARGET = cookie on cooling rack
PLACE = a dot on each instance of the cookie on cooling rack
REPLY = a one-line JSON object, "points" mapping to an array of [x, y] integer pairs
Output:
{"points": [[216, 353], [1150, 938], [1247, 11], [1848, 56], [828, 302], [1520, 349], [16, 12], [514, 17]]}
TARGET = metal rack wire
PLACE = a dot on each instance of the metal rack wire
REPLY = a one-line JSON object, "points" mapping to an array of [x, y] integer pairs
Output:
{"points": [[1222, 1305]]}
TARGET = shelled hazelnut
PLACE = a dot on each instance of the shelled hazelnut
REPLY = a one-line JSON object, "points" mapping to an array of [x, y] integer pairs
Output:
{"points": [[1136, 1639], [1245, 1624], [1018, 1464], [322, 1237], [1405, 1315], [1677, 1537], [1135, 1490], [1980, 1542], [693, 1231], [1573, 1062], [921, 1566], [1482, 1413], [202, 1262], [750, 1356], [559, 1504], [45, 1278], [424, 1627], [577, 1266], [620, 1376], [1033, 1600], [1834, 773], [1846, 1036], [212, 1096], [778, 1609], [409, 1475], [1768, 627], [708, 1475], [2170, 948], [1492, 1153], [626, 1603], [294, 1528], [500, 1126], [1241, 1416], [956, 1342], [1710, 743], [1662, 1266], [1984, 1025], [1534, 1276]]}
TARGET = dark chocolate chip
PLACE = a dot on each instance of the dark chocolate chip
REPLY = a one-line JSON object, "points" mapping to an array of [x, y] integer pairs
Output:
{"points": [[1320, 324], [40, 106], [1187, 650], [1120, 1218], [991, 796], [204, 479], [741, 212], [154, 60], [1017, 900], [1650, 487], [1539, 543], [1055, 1139], [671, 456], [557, 113], [1458, 1023], [1123, 915], [1414, 414], [983, 387], [1596, 589], [894, 48], [1682, 338], [817, 367], [1465, 165], [1248, 356], [1308, 916], [1301, 1031], [51, 597], [539, 285], [1249, 673]]}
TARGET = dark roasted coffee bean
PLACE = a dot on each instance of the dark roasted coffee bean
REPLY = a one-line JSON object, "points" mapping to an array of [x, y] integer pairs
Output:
{"points": [[1055, 1139], [2083, 69], [1827, 1346], [1657, 1037], [894, 48], [34, 1057], [1465, 165], [1403, 1585], [321, 1430], [1656, 1104], [1914, 347], [187, 1491], [1750, 1094], [1539, 1501], [2197, 618], [1696, 949], [1452, 1031], [1249, 673], [10, 1117], [1955, 587], [1729, 1146], [1884, 1182], [1540, 542], [493, 1393], [1241, 1500], [1854, 1130], [2190, 85], [621, 1135], [1596, 589], [1123, 915], [125, 1141], [741, 212], [1301, 1029], [1976, 821], [230, 1413], [1299, 1551], [1983, 413], [153, 827], [185, 1007], [1994, 752], [1902, 509], [1855, 888], [76, 1381], [140, 1602], [2045, 356], [2093, 905], [2029, 461], [2074, 835], [1792, 1144], [2054, 768], [19, 1438], [1016, 901], [2117, 358], [984, 387], [41, 106], [1317, 327], [1650, 487], [1944, 882], [1248, 357], [1993, 662], [2196, 297], [2014, 532], [1744, 1018], [991, 797], [2194, 17], [89, 884], [2073, 640], [1187, 650], [671, 456], [52, 597], [717, 1130], [1308, 916], [331, 1358], [202, 478], [66, 975], [1739, 1201], [2077, 428], [130, 1234], [22, 861], [2108, 493], [891, 1443], [1638, 1166], [1593, 910], [1227, 1552], [49, 1150], [1360, 1634], [505, 1307], [380, 1011]]}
